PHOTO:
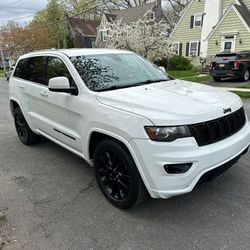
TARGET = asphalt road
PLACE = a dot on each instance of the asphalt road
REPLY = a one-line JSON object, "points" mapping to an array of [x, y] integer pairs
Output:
{"points": [[49, 200], [227, 83]]}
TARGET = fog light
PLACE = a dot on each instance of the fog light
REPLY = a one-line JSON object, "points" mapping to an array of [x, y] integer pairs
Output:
{"points": [[177, 168]]}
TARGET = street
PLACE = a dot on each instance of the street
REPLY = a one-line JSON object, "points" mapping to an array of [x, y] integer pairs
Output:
{"points": [[49, 199]]}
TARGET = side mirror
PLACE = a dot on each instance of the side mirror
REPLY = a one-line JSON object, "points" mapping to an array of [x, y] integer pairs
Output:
{"points": [[162, 69], [61, 84]]}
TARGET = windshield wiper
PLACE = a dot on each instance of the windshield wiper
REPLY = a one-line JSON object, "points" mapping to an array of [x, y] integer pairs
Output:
{"points": [[114, 87]]}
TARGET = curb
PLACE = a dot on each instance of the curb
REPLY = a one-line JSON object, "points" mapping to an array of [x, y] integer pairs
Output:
{"points": [[235, 89]]}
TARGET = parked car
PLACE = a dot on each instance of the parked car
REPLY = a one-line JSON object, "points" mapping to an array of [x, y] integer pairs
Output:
{"points": [[233, 65], [143, 132]]}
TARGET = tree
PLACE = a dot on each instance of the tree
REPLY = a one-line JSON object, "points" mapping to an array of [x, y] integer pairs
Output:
{"points": [[19, 40], [173, 9], [52, 18], [143, 37]]}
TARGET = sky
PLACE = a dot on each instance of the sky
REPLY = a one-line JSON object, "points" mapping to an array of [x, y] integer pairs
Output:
{"points": [[16, 9]]}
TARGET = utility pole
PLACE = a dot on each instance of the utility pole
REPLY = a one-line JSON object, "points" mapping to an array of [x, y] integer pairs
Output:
{"points": [[2, 58]]}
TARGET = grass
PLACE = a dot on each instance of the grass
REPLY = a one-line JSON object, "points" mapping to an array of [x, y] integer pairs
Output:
{"points": [[199, 79], [1, 73], [181, 74], [242, 94], [189, 75], [244, 86]]}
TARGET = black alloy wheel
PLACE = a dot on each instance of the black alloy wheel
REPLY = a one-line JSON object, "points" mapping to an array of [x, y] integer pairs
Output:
{"points": [[117, 175], [25, 134]]}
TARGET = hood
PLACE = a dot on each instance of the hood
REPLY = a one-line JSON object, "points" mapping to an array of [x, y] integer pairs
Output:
{"points": [[173, 102]]}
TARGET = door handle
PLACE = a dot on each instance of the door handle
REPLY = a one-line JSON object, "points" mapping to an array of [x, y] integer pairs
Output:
{"points": [[21, 86], [44, 93]]}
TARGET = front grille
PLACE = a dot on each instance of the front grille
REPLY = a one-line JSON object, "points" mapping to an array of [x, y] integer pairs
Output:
{"points": [[216, 130]]}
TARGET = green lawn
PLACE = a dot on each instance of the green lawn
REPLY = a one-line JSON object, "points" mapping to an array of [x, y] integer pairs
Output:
{"points": [[189, 76], [242, 94], [199, 79], [244, 86], [1, 73], [180, 74]]}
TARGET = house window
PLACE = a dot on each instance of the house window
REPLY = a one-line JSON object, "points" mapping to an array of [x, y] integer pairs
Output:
{"points": [[176, 48], [151, 15], [193, 49], [197, 20], [104, 35]]}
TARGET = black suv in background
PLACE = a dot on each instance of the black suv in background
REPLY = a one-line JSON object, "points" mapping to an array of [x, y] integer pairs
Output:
{"points": [[233, 65]]}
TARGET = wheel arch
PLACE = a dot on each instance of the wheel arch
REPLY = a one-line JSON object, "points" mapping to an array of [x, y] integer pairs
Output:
{"points": [[96, 136]]}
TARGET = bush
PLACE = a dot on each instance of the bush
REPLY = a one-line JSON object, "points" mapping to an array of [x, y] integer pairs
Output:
{"points": [[180, 63]]}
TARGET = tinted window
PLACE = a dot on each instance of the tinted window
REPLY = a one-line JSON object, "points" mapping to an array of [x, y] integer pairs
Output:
{"points": [[57, 68], [37, 70], [21, 69], [244, 56]]}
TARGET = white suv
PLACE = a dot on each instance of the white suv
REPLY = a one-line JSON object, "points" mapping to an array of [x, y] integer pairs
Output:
{"points": [[143, 132]]}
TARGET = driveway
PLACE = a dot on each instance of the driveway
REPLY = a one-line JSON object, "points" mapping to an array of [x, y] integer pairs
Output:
{"points": [[227, 83], [49, 199]]}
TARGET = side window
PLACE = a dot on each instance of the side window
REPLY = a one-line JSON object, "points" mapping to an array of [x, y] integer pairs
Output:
{"points": [[21, 69], [56, 68], [37, 70]]}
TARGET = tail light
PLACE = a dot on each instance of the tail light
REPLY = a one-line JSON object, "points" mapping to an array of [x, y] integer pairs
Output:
{"points": [[237, 64]]}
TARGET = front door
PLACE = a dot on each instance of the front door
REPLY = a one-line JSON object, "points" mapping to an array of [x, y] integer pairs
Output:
{"points": [[228, 44]]}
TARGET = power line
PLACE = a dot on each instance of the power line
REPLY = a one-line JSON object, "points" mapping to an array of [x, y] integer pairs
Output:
{"points": [[65, 19], [13, 3], [61, 3], [19, 18]]}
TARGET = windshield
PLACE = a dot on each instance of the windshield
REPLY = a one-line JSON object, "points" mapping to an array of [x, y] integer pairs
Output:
{"points": [[113, 71]]}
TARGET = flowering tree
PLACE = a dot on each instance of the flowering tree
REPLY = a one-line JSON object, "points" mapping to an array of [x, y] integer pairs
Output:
{"points": [[147, 38]]}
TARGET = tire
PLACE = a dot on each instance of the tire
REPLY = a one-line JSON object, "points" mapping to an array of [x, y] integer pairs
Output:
{"points": [[25, 134], [117, 175], [245, 76], [216, 78]]}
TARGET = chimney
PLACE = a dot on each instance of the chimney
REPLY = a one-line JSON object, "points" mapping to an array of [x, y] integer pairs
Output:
{"points": [[158, 11]]}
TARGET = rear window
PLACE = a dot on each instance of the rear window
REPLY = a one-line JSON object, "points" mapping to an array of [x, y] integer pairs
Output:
{"points": [[37, 70], [225, 57], [21, 69]]}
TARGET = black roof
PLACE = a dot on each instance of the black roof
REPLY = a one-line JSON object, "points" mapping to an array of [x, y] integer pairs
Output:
{"points": [[244, 12]]}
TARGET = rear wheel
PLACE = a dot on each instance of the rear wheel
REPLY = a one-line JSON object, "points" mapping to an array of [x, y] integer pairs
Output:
{"points": [[117, 175], [216, 78], [25, 134], [245, 76]]}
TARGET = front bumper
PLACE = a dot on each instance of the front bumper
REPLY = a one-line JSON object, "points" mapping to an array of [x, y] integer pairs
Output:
{"points": [[152, 156]]}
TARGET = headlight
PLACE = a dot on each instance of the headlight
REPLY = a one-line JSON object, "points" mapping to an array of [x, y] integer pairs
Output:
{"points": [[167, 134]]}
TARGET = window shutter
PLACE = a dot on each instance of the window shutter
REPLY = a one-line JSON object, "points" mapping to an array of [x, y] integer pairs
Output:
{"points": [[187, 49], [192, 22], [202, 20], [180, 49], [199, 48]]}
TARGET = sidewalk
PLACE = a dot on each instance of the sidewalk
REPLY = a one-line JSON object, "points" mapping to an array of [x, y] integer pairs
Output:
{"points": [[235, 89]]}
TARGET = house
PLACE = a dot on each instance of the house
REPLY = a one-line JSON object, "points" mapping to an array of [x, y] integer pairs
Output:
{"points": [[83, 32], [208, 27], [151, 11]]}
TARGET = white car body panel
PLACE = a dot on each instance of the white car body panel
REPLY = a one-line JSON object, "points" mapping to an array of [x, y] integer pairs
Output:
{"points": [[123, 114]]}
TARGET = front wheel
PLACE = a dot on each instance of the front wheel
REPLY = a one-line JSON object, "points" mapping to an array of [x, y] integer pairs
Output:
{"points": [[245, 76], [216, 78], [25, 134], [117, 175]]}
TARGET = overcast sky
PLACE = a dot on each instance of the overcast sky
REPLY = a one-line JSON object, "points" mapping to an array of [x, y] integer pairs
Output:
{"points": [[16, 9]]}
